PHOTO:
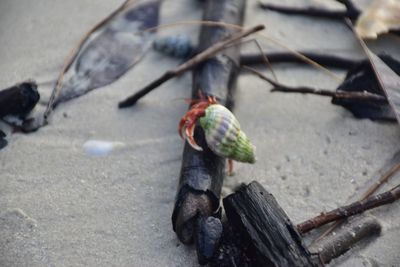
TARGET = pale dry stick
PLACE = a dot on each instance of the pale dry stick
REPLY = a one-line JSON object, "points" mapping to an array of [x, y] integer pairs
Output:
{"points": [[74, 53], [199, 58], [359, 96]]}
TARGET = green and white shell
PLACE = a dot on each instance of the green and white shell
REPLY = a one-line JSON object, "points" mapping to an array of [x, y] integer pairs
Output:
{"points": [[223, 135]]}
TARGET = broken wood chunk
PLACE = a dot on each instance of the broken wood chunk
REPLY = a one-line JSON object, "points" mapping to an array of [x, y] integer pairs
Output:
{"points": [[265, 228]]}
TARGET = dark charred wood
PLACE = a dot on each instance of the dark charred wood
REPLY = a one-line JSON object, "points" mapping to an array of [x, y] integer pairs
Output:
{"points": [[232, 251], [265, 228], [333, 61], [202, 172], [362, 78], [19, 99]]}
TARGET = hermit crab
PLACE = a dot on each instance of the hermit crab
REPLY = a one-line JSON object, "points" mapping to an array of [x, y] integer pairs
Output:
{"points": [[222, 131]]}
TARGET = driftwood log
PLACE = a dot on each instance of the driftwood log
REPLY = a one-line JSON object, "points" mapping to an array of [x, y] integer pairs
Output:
{"points": [[195, 215]]}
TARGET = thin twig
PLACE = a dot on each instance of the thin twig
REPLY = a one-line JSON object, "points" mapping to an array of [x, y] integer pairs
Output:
{"points": [[199, 58], [326, 60], [278, 87], [350, 210]]}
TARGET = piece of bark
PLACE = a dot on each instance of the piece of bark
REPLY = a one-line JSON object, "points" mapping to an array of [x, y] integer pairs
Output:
{"points": [[265, 228], [202, 172]]}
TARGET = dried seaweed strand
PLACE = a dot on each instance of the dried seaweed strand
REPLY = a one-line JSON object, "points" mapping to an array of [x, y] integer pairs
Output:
{"points": [[74, 53], [350, 210], [199, 58], [278, 87]]}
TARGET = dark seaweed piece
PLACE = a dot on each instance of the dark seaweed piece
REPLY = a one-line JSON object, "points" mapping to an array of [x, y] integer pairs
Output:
{"points": [[202, 172], [362, 78], [19, 99], [265, 228], [109, 50], [3, 141]]}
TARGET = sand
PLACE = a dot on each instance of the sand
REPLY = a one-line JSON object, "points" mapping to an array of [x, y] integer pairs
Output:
{"points": [[62, 207]]}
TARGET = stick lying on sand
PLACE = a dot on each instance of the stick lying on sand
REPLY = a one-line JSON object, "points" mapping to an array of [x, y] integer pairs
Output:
{"points": [[199, 58]]}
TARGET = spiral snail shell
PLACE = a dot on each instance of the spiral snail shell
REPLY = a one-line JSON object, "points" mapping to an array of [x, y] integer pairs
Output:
{"points": [[222, 131], [224, 136]]}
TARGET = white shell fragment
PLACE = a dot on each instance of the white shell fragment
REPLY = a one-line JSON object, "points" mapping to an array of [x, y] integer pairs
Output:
{"points": [[380, 17], [100, 147]]}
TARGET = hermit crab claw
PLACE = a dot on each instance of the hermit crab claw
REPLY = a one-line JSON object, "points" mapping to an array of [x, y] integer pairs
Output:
{"points": [[189, 131], [188, 121]]}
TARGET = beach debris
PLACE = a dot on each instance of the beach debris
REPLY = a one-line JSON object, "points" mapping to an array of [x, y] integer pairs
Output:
{"points": [[320, 57], [196, 216], [351, 11], [107, 51], [381, 16], [263, 235], [3, 141], [178, 46], [346, 237], [388, 79], [101, 147], [362, 79], [346, 211], [221, 128], [360, 92], [390, 168], [16, 103], [19, 100], [197, 59], [267, 232]]}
